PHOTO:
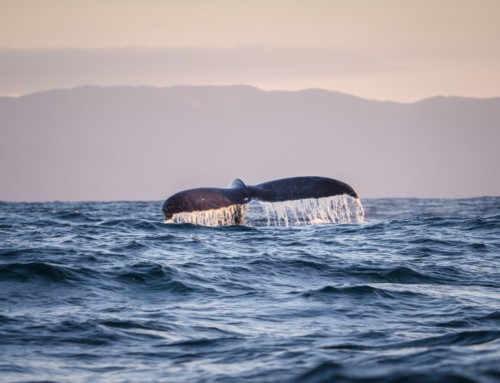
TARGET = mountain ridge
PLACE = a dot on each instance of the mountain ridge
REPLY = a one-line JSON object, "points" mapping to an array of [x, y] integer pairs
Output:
{"points": [[136, 143], [244, 86]]}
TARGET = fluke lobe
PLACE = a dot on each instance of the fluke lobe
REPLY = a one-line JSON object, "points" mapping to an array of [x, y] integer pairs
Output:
{"points": [[286, 189]]}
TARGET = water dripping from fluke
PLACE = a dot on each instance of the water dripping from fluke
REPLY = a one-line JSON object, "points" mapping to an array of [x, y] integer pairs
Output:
{"points": [[341, 209], [336, 209], [226, 216]]}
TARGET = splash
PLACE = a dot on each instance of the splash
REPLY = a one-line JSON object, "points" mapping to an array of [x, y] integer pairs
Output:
{"points": [[226, 216], [336, 209]]}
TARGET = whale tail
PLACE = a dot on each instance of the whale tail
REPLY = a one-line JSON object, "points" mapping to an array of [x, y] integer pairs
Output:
{"points": [[239, 194], [296, 188]]}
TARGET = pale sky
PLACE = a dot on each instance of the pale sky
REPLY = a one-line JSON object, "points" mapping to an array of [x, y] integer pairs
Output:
{"points": [[387, 49]]}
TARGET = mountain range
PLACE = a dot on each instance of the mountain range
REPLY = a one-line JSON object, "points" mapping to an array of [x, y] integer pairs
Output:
{"points": [[146, 143]]}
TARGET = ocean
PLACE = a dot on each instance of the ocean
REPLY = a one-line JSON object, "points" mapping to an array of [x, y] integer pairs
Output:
{"points": [[106, 291]]}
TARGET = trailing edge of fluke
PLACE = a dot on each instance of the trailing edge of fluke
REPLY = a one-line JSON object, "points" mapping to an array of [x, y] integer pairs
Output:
{"points": [[286, 189]]}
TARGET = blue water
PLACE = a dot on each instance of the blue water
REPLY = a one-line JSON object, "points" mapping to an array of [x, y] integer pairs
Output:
{"points": [[107, 292]]}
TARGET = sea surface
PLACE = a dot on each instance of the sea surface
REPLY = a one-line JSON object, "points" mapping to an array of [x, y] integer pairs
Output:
{"points": [[107, 292]]}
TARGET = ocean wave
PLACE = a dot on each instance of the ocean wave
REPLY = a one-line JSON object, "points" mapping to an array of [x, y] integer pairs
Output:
{"points": [[482, 224], [359, 291], [463, 338], [491, 319], [150, 275], [333, 372], [24, 272]]}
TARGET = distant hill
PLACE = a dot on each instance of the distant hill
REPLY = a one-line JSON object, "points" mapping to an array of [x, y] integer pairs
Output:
{"points": [[107, 143]]}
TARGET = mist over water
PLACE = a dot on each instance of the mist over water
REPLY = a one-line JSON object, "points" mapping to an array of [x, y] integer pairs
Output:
{"points": [[108, 292]]}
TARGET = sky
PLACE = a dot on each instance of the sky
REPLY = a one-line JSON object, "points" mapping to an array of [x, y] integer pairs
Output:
{"points": [[395, 50]]}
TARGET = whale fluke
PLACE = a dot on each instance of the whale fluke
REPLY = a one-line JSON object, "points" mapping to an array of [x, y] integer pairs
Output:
{"points": [[294, 188], [201, 199], [286, 189]]}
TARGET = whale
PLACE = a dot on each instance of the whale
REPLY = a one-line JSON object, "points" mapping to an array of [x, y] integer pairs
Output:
{"points": [[238, 193]]}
